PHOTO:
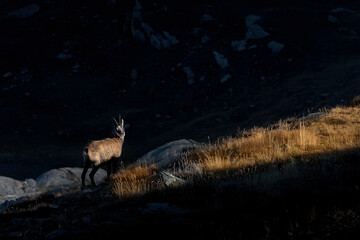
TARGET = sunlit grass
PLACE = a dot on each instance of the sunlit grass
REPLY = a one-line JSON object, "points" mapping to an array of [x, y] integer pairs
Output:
{"points": [[135, 181], [332, 131]]}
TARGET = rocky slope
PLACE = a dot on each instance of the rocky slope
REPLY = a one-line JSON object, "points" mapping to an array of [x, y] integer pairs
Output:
{"points": [[173, 69]]}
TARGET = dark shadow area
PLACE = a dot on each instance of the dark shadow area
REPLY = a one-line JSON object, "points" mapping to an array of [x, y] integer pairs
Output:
{"points": [[68, 67], [316, 197]]}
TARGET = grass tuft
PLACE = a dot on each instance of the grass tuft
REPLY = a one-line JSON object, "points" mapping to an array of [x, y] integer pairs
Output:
{"points": [[315, 137]]}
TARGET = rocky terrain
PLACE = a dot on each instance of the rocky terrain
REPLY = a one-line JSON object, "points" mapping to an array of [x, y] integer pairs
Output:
{"points": [[173, 69]]}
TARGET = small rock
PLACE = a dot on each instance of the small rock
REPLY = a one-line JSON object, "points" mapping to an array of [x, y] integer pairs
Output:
{"points": [[204, 39], [15, 235], [170, 179], [26, 11], [190, 75], [56, 234], [225, 78], [255, 31], [86, 219], [324, 94], [206, 17], [134, 74], [275, 47], [221, 60], [332, 19], [239, 45], [6, 75], [64, 56]]}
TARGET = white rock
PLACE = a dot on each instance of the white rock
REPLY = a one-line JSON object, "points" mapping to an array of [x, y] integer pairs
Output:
{"points": [[225, 78], [66, 176], [9, 186], [239, 45], [275, 47], [165, 155], [221, 60], [189, 74], [255, 31], [6, 75], [64, 56], [134, 74], [204, 39], [26, 11], [170, 179], [206, 17], [332, 19]]}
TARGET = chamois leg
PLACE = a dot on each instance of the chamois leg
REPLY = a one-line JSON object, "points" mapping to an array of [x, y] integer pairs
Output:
{"points": [[108, 168], [114, 165], [86, 167], [92, 173]]}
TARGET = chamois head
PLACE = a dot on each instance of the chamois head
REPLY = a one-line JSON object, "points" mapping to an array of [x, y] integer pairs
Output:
{"points": [[119, 129]]}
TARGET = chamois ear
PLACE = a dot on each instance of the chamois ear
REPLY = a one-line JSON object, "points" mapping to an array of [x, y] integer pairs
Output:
{"points": [[122, 123]]}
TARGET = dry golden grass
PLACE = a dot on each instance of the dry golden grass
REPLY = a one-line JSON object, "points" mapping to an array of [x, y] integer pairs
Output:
{"points": [[135, 181], [333, 131]]}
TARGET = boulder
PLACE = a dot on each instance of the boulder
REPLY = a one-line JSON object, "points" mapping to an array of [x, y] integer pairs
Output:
{"points": [[9, 186], [165, 155], [65, 177], [26, 11], [170, 179]]}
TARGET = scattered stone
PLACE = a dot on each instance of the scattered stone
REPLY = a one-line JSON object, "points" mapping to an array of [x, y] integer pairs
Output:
{"points": [[311, 116], [337, 10], [86, 219], [221, 60], [64, 56], [56, 234], [165, 155], [206, 17], [15, 235], [190, 75], [65, 177], [239, 45], [275, 47], [170, 179], [255, 31], [332, 19], [9, 186], [6, 75], [325, 94], [225, 78], [134, 74], [204, 39], [26, 11], [190, 169]]}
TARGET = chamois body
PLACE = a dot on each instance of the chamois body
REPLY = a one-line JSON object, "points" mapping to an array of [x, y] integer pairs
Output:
{"points": [[99, 152]]}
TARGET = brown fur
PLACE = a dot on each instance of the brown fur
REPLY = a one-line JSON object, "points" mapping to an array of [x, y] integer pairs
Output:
{"points": [[101, 151], [107, 150]]}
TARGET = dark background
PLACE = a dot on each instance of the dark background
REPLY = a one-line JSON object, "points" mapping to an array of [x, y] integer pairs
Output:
{"points": [[50, 107]]}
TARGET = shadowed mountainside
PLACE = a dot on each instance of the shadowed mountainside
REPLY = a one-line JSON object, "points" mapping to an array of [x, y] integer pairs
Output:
{"points": [[173, 69]]}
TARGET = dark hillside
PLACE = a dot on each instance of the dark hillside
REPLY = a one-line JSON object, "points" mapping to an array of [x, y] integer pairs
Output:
{"points": [[67, 67]]}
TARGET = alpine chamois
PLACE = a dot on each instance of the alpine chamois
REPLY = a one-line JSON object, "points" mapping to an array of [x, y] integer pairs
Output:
{"points": [[103, 151]]}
